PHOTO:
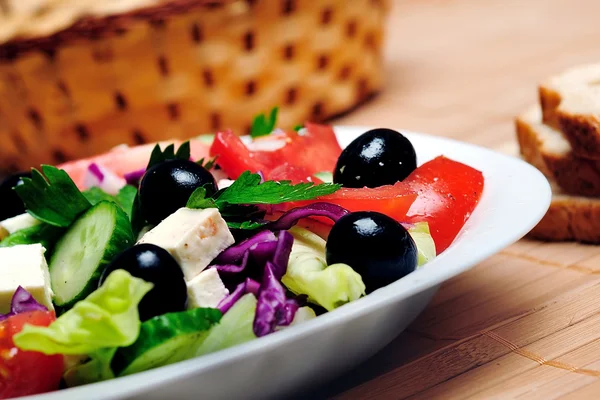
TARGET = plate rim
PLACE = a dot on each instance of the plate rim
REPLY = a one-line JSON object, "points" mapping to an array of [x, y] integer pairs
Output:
{"points": [[424, 279]]}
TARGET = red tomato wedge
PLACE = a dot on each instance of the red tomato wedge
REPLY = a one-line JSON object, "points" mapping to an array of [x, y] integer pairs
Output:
{"points": [[441, 192], [122, 160], [314, 151], [392, 200], [448, 193], [25, 373]]}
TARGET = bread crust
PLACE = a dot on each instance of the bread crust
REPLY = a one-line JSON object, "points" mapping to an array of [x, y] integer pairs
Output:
{"points": [[568, 104], [544, 147], [570, 218]]}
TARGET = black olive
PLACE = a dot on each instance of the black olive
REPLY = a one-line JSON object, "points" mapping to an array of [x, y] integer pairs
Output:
{"points": [[376, 246], [155, 265], [166, 187], [11, 202], [376, 158]]}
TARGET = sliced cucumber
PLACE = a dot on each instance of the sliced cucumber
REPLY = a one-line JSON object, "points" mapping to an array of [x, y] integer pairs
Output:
{"points": [[89, 244], [165, 339], [45, 234]]}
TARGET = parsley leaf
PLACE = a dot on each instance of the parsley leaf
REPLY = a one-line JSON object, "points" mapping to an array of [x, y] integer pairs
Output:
{"points": [[247, 225], [248, 189], [126, 198], [209, 164], [137, 219], [261, 126], [53, 198], [298, 127], [198, 199], [158, 155], [236, 203], [95, 195]]}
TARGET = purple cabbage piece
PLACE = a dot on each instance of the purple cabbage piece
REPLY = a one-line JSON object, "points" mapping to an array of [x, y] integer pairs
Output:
{"points": [[271, 251], [234, 268], [289, 312], [263, 252], [96, 171], [134, 177], [249, 286], [228, 302], [236, 253], [252, 286], [22, 301], [291, 218], [282, 252], [271, 307]]}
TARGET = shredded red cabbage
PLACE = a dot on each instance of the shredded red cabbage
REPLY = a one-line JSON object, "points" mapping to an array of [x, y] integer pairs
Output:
{"points": [[270, 252], [96, 171], [290, 218], [22, 301], [249, 286], [272, 308], [281, 254], [134, 177], [236, 253]]}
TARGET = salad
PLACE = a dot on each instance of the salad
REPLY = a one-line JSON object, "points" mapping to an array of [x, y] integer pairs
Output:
{"points": [[147, 256]]}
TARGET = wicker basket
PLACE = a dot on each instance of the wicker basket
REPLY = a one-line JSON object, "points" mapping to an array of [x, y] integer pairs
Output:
{"points": [[181, 68]]}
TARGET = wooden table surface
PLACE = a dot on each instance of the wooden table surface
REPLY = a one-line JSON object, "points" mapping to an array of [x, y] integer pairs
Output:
{"points": [[526, 322]]}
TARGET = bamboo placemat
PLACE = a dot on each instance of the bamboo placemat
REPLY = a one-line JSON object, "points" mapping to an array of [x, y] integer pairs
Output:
{"points": [[526, 322]]}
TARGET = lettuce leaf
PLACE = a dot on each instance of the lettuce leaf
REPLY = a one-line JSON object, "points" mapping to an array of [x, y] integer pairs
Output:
{"points": [[97, 369], [302, 315], [234, 328], [308, 273], [425, 244], [108, 317]]}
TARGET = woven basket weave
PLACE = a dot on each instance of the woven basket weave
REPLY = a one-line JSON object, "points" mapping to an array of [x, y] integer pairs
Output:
{"points": [[182, 68]]}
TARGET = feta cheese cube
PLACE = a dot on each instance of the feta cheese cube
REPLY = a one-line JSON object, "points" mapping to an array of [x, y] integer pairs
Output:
{"points": [[206, 289], [11, 225], [25, 266], [193, 237]]}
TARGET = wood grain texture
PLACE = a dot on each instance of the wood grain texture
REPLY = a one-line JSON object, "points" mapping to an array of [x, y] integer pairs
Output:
{"points": [[524, 324]]}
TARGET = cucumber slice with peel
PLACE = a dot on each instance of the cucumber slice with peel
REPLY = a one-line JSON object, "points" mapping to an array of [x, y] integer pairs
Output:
{"points": [[166, 339], [81, 255]]}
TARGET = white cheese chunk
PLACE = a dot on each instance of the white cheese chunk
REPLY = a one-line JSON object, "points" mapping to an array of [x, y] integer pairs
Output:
{"points": [[19, 222], [25, 266], [206, 289], [193, 237]]}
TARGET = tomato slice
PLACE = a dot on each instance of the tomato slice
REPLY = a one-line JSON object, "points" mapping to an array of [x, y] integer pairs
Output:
{"points": [[25, 373], [448, 192], [441, 192], [292, 173], [233, 156], [316, 150], [392, 200]]}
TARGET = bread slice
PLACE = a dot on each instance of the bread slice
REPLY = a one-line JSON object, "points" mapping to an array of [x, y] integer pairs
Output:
{"points": [[545, 147], [571, 103], [570, 218]]}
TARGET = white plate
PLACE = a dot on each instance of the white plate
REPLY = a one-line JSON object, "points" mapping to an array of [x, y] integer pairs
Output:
{"points": [[515, 198]]}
